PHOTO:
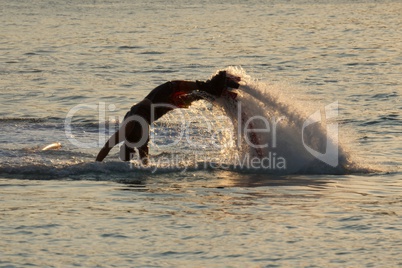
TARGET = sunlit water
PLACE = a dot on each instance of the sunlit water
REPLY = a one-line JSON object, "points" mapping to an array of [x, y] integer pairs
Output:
{"points": [[195, 205]]}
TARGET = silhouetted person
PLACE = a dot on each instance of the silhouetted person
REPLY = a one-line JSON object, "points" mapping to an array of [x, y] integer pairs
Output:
{"points": [[134, 130]]}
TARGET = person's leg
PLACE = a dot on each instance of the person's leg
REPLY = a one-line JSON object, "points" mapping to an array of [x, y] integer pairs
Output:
{"points": [[113, 140], [126, 153], [143, 152], [137, 136]]}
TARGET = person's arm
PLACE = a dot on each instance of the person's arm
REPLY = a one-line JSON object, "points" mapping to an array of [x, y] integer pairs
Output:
{"points": [[184, 86], [185, 92], [218, 84], [215, 86], [113, 140]]}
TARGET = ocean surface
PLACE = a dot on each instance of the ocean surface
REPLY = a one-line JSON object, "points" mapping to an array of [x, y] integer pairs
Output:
{"points": [[70, 70]]}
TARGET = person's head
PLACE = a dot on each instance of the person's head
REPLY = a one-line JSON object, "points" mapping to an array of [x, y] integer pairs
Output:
{"points": [[219, 82]]}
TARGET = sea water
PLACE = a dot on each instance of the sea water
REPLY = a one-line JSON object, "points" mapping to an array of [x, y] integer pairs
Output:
{"points": [[319, 72]]}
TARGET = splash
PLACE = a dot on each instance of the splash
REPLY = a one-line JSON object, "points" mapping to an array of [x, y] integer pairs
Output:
{"points": [[273, 133], [259, 128], [262, 130]]}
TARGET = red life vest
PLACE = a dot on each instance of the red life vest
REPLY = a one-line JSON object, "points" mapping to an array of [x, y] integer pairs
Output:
{"points": [[181, 99]]}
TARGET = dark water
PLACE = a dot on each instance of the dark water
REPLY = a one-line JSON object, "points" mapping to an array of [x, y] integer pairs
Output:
{"points": [[193, 206]]}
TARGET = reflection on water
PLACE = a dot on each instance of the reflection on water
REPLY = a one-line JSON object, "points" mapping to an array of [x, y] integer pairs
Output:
{"points": [[167, 222]]}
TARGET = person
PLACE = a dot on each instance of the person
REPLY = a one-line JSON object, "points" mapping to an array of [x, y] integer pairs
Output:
{"points": [[134, 130]]}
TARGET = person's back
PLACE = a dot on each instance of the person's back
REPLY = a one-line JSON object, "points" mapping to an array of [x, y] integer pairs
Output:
{"points": [[164, 98]]}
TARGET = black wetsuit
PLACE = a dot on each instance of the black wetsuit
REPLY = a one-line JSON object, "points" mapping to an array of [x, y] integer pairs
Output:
{"points": [[164, 98], [157, 103]]}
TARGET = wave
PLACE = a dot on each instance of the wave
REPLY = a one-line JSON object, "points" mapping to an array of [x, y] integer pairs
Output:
{"points": [[22, 120], [133, 171]]}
